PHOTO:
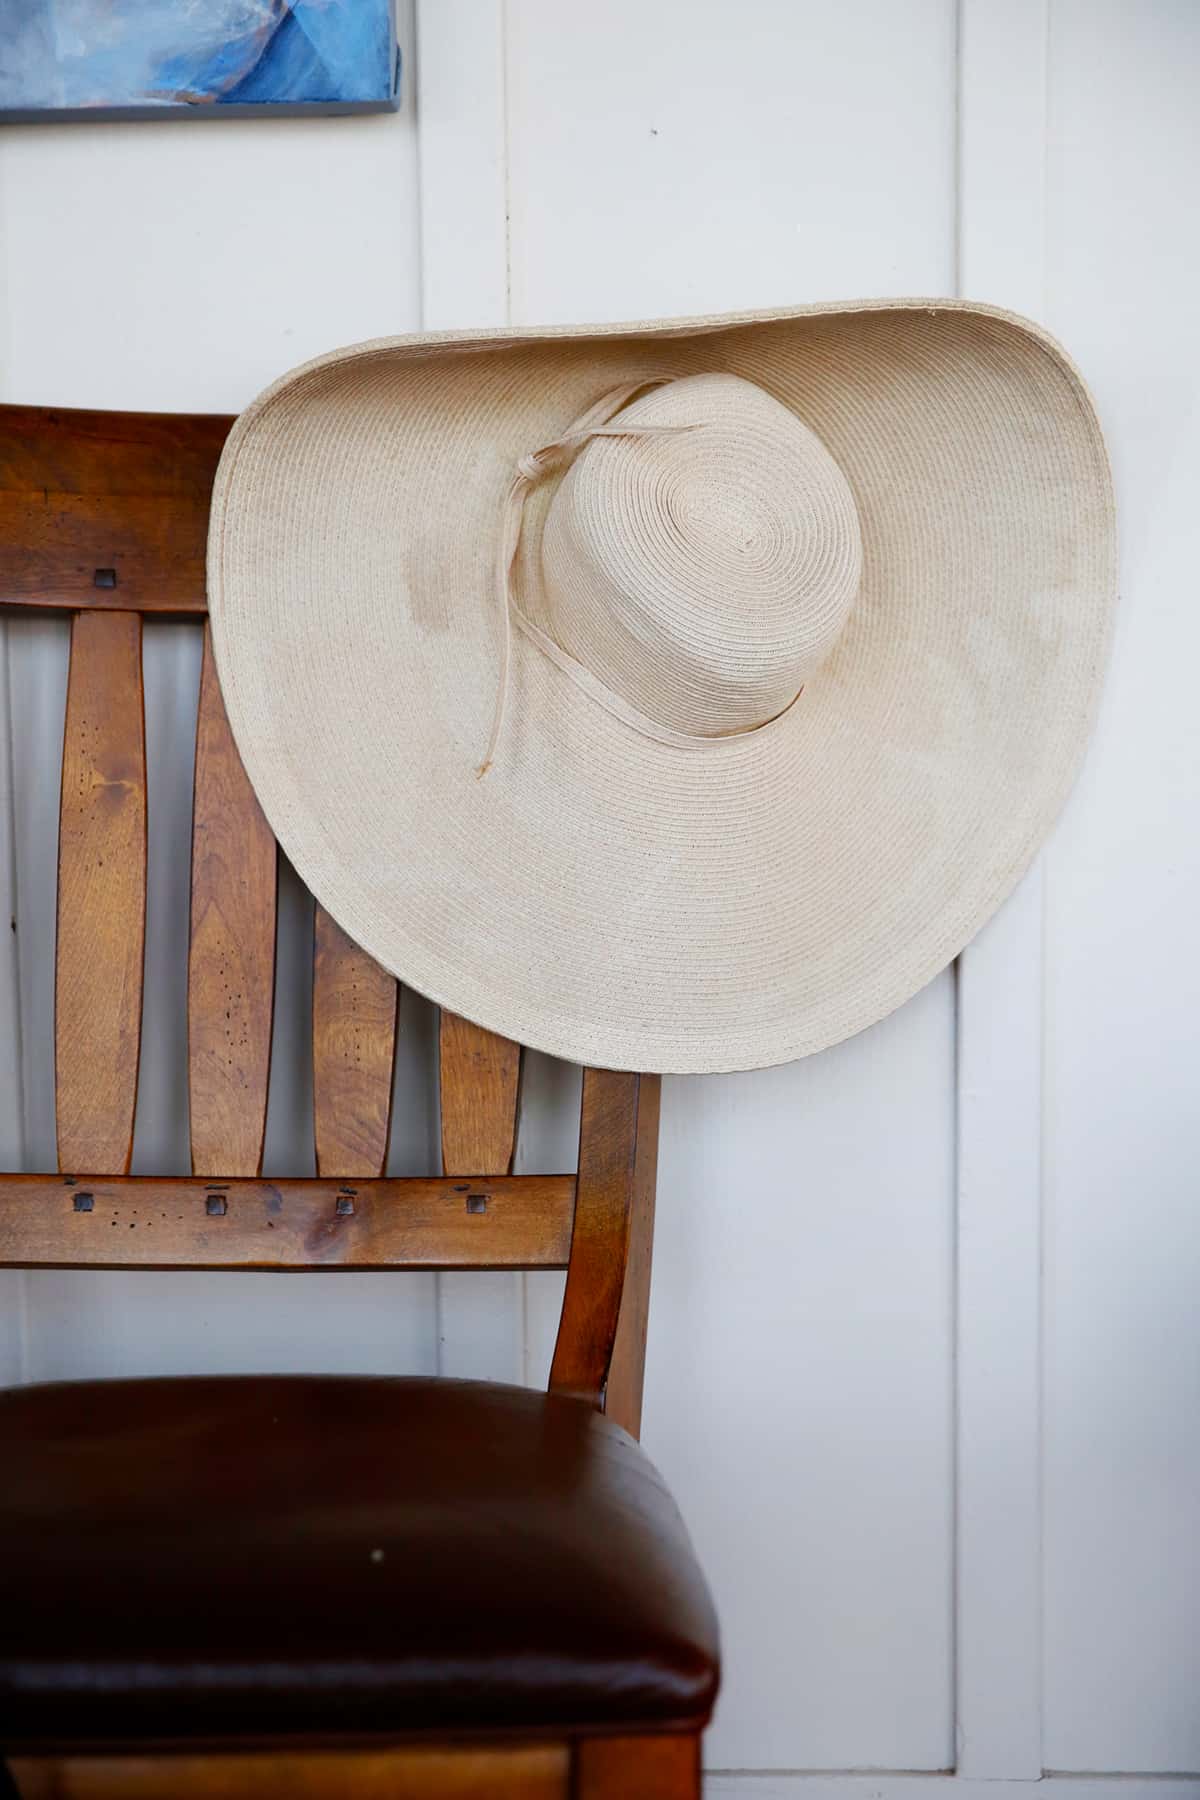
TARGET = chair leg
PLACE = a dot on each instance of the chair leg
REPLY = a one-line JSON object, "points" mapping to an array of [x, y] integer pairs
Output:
{"points": [[637, 1768]]}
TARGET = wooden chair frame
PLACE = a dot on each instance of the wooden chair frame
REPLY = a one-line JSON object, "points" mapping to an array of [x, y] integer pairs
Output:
{"points": [[104, 516]]}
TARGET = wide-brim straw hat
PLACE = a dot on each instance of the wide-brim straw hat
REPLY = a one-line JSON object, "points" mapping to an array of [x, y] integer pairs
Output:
{"points": [[676, 695]]}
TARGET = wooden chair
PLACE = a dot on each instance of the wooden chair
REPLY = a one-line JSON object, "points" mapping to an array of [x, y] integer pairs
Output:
{"points": [[303, 1585]]}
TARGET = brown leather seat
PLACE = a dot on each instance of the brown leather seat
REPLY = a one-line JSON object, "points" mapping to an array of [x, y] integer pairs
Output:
{"points": [[231, 1557]]}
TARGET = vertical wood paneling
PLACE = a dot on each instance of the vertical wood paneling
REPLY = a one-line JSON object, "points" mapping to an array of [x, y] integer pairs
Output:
{"points": [[685, 158], [998, 1545], [295, 237], [460, 46], [231, 964], [679, 159], [101, 896], [354, 1050], [1123, 896], [998, 1542], [799, 1390]]}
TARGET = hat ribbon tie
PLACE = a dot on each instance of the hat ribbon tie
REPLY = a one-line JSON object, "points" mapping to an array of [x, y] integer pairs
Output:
{"points": [[529, 470], [593, 423]]}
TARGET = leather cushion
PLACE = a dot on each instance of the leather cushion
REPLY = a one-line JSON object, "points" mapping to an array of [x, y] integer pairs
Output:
{"points": [[233, 1557]]}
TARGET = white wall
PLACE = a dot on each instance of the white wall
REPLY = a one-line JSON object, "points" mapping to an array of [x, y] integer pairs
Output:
{"points": [[924, 1349]]}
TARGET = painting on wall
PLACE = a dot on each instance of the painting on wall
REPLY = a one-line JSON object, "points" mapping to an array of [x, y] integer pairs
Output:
{"points": [[87, 59]]}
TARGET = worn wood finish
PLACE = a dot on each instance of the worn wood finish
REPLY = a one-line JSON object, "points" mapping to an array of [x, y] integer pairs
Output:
{"points": [[354, 1051], [529, 1772], [101, 895], [106, 510], [616, 1134], [231, 957], [480, 1086], [506, 1221], [650, 1768], [623, 1394]]}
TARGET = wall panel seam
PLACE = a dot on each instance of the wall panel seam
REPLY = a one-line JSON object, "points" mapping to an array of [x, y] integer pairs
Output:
{"points": [[1001, 1111]]}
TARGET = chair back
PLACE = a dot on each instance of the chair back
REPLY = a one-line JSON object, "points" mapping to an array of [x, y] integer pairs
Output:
{"points": [[104, 516]]}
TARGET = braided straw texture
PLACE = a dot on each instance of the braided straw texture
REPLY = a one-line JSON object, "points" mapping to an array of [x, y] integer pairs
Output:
{"points": [[603, 895], [705, 574]]}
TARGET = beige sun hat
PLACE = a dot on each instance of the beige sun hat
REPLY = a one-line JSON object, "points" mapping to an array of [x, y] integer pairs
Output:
{"points": [[671, 696]]}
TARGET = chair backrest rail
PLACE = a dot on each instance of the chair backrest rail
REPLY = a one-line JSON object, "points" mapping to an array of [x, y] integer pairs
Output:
{"points": [[509, 1221], [103, 510]]}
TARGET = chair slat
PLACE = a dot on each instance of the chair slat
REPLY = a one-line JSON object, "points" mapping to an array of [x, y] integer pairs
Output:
{"points": [[503, 1221], [480, 1083], [231, 962], [101, 895], [354, 1052]]}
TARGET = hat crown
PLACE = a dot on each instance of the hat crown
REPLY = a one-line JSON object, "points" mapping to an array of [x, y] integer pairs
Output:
{"points": [[704, 571]]}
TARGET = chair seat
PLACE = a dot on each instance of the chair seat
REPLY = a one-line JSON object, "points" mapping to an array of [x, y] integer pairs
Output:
{"points": [[216, 1558]]}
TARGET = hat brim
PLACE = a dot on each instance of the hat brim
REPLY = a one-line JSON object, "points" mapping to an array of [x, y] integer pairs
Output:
{"points": [[602, 896]]}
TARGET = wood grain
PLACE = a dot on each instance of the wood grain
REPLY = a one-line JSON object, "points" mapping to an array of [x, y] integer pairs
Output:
{"points": [[650, 1768], [623, 1394], [101, 895], [480, 1087], [126, 494], [530, 1772], [616, 1140], [505, 1221], [231, 957], [354, 1053]]}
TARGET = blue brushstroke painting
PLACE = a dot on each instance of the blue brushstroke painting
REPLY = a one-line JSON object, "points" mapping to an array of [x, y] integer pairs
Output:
{"points": [[82, 56]]}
